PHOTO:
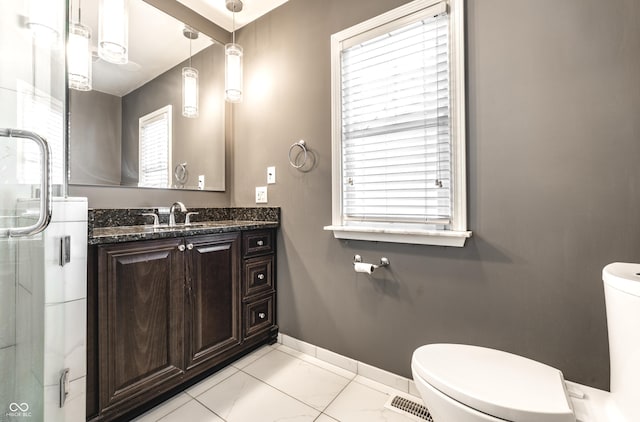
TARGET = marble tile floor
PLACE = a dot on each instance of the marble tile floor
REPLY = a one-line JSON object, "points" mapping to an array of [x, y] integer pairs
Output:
{"points": [[278, 383]]}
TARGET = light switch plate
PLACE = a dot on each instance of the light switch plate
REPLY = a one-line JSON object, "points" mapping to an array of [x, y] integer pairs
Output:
{"points": [[261, 194], [271, 175], [201, 182]]}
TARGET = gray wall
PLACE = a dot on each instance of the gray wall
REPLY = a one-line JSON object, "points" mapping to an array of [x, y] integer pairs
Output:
{"points": [[553, 180], [95, 126]]}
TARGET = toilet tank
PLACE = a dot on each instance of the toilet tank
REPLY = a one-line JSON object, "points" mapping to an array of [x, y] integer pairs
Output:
{"points": [[622, 298]]}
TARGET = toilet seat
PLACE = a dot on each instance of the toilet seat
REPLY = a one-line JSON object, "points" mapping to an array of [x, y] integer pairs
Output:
{"points": [[496, 383]]}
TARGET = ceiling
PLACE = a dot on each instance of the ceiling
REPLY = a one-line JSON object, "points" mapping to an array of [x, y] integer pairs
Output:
{"points": [[216, 11], [156, 43]]}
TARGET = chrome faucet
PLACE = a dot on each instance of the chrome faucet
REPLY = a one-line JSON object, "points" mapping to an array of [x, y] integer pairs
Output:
{"points": [[172, 217]]}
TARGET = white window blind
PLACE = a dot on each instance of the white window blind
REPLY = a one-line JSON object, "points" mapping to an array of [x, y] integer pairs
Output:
{"points": [[396, 131], [155, 148]]}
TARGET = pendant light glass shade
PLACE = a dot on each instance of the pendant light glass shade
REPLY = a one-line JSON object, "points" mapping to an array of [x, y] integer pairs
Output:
{"points": [[233, 73], [113, 34], [43, 21], [233, 60], [189, 92], [190, 80], [79, 57]]}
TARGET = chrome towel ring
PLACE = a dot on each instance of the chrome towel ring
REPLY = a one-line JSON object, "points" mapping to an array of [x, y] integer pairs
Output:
{"points": [[303, 150], [181, 174]]}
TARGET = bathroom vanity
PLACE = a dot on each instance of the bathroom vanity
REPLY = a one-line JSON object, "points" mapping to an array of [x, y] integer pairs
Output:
{"points": [[168, 306]]}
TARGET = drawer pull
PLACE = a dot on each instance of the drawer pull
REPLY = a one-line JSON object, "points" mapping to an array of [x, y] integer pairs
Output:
{"points": [[260, 242], [181, 248], [190, 246], [261, 315], [260, 276]]}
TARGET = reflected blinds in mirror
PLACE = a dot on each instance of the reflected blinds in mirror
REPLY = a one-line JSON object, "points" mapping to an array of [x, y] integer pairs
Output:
{"points": [[155, 149]]}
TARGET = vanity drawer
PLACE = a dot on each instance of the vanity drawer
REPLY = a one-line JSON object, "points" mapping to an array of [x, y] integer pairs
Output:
{"points": [[258, 316], [257, 242], [257, 276]]}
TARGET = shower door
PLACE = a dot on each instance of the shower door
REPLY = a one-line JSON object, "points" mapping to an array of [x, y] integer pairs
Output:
{"points": [[32, 145]]}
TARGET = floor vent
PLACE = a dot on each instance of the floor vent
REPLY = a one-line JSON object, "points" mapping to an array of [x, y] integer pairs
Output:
{"points": [[418, 411]]}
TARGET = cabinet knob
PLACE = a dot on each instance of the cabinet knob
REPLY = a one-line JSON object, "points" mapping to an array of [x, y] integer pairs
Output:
{"points": [[261, 315], [190, 246], [181, 248], [260, 276], [260, 242]]}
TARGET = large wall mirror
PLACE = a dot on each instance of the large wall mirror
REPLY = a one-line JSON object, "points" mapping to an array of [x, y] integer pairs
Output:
{"points": [[128, 99]]}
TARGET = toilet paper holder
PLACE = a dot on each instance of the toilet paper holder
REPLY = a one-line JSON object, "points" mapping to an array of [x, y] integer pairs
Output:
{"points": [[384, 262]]}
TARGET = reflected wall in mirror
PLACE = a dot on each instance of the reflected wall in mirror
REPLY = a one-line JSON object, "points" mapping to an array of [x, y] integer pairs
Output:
{"points": [[130, 99]]}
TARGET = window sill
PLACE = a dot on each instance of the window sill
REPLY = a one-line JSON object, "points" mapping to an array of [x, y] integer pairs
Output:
{"points": [[418, 237]]}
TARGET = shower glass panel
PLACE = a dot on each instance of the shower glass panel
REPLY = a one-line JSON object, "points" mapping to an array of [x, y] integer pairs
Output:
{"points": [[32, 98]]}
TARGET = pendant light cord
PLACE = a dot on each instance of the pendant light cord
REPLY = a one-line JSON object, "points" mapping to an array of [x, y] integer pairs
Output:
{"points": [[234, 24], [190, 51]]}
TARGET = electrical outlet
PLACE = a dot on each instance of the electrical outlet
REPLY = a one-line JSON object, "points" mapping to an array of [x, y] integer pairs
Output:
{"points": [[261, 194], [201, 182], [271, 175]]}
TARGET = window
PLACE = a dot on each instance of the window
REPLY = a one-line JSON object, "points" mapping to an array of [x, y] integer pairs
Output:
{"points": [[398, 127], [155, 149]]}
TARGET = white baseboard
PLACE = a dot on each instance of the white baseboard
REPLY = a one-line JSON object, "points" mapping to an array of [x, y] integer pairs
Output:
{"points": [[387, 378]]}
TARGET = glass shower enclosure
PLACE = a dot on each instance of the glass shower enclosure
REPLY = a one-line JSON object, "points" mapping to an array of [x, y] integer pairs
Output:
{"points": [[32, 169]]}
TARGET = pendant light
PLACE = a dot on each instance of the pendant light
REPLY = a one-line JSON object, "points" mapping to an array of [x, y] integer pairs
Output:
{"points": [[79, 54], [113, 31], [233, 60], [43, 21], [190, 80]]}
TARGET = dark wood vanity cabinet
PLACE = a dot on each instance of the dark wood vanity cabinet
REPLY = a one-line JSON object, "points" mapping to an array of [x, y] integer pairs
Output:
{"points": [[164, 312]]}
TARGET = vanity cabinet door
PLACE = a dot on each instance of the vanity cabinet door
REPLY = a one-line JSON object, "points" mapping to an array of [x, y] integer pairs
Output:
{"points": [[140, 320], [212, 297]]}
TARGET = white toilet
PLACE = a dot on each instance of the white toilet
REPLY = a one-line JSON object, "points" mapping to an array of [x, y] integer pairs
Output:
{"points": [[463, 383]]}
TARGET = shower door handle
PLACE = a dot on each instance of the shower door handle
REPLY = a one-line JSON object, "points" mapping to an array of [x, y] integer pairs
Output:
{"points": [[45, 185]]}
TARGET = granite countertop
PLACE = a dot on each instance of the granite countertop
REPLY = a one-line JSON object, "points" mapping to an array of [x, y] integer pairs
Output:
{"points": [[131, 233], [128, 225]]}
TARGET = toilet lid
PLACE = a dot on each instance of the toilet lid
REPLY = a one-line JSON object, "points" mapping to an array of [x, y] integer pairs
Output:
{"points": [[497, 383]]}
